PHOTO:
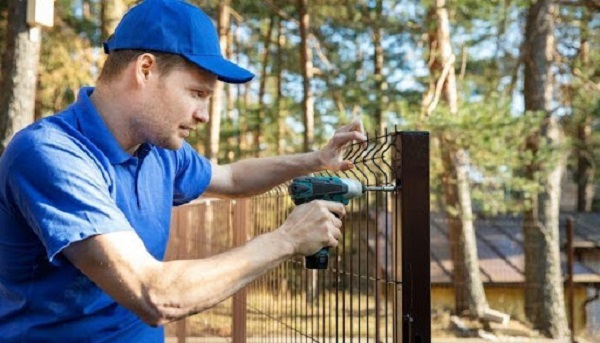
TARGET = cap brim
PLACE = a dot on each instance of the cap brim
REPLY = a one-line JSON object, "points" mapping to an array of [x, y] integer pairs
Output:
{"points": [[225, 70]]}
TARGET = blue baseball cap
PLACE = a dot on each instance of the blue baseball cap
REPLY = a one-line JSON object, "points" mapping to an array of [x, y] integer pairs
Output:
{"points": [[176, 27]]}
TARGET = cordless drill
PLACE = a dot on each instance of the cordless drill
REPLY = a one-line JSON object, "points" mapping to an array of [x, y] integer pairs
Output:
{"points": [[331, 188]]}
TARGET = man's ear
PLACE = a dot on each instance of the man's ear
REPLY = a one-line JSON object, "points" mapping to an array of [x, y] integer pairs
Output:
{"points": [[144, 67]]}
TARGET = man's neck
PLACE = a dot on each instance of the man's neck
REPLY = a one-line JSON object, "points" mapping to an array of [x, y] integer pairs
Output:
{"points": [[108, 102]]}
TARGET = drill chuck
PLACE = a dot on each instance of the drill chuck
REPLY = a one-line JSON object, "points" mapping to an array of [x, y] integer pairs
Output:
{"points": [[355, 188]]}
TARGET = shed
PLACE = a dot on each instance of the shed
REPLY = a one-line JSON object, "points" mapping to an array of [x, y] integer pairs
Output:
{"points": [[502, 264]]}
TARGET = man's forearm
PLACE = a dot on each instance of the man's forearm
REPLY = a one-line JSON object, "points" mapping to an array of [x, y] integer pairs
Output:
{"points": [[255, 176], [186, 287], [258, 175], [160, 292]]}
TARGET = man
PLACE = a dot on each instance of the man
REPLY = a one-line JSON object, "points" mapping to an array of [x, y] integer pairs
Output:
{"points": [[86, 195]]}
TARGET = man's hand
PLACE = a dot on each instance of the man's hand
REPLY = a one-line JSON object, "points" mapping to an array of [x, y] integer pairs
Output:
{"points": [[313, 226], [331, 155]]}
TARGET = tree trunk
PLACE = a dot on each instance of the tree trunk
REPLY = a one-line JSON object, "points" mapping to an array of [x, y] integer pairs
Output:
{"points": [[585, 167], [469, 291], [544, 299], [230, 108], [380, 83], [20, 61], [245, 129], [470, 294], [261, 91], [112, 10], [281, 112], [585, 163], [216, 103], [467, 244], [308, 104]]}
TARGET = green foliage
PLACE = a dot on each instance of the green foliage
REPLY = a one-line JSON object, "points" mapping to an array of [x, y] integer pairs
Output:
{"points": [[495, 142], [68, 60], [586, 109], [489, 124], [81, 16], [581, 91]]}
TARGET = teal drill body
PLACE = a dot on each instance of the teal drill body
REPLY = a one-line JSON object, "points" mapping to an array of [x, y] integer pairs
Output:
{"points": [[330, 188]]}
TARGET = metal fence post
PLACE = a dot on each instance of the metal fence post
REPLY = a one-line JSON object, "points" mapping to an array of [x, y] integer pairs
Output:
{"points": [[241, 215], [412, 241]]}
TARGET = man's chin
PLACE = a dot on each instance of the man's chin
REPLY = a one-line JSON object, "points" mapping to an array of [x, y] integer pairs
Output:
{"points": [[172, 145]]}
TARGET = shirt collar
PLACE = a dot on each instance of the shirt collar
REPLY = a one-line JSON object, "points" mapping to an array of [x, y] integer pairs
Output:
{"points": [[95, 129]]}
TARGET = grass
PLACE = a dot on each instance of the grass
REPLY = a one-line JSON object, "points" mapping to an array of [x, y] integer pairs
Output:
{"points": [[278, 314]]}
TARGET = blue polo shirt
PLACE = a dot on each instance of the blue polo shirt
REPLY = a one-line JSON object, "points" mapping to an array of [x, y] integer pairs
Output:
{"points": [[62, 180]]}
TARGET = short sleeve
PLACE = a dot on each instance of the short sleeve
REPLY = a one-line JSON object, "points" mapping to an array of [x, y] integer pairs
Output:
{"points": [[63, 194], [192, 177]]}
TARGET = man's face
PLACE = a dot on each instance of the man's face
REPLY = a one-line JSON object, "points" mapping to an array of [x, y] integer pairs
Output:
{"points": [[174, 105]]}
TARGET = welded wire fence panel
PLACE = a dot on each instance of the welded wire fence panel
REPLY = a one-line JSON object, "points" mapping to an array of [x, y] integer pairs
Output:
{"points": [[364, 295], [359, 298]]}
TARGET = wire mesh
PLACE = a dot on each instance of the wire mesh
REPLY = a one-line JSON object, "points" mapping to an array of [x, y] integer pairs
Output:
{"points": [[354, 299], [357, 299]]}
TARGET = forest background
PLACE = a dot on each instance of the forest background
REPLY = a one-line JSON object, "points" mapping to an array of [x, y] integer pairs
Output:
{"points": [[508, 89]]}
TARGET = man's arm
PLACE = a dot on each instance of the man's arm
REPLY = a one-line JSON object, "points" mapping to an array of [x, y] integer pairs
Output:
{"points": [[160, 292], [254, 176]]}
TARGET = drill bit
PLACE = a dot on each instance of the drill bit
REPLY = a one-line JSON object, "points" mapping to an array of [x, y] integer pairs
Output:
{"points": [[380, 188]]}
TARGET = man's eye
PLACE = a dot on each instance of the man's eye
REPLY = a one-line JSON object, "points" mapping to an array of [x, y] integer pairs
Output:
{"points": [[199, 94]]}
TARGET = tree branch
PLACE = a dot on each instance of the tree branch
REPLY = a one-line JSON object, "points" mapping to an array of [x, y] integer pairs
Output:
{"points": [[440, 84], [591, 4]]}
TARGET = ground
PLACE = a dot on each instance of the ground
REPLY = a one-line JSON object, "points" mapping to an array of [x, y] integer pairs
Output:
{"points": [[447, 328], [444, 330], [215, 325]]}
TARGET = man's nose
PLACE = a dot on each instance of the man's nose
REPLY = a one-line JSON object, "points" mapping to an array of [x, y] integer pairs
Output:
{"points": [[202, 115]]}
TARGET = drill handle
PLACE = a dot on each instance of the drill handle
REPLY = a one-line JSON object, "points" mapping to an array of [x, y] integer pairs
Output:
{"points": [[319, 260]]}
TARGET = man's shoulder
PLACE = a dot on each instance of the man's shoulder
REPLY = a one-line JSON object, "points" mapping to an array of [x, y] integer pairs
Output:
{"points": [[46, 133], [46, 141]]}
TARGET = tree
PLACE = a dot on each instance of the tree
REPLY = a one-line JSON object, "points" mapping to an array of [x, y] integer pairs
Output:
{"points": [[306, 63], [583, 119], [380, 83], [280, 110], [258, 135], [71, 59], [216, 103], [544, 299], [19, 73], [112, 11], [3, 6], [457, 195]]}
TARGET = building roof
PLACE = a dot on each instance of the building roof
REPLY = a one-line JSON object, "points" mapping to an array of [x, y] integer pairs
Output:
{"points": [[500, 248]]}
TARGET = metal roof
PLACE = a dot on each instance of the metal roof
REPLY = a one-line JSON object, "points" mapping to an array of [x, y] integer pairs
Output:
{"points": [[500, 248]]}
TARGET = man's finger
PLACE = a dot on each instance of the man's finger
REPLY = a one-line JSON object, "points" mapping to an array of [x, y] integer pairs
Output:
{"points": [[336, 221], [342, 138], [355, 125], [337, 234], [334, 207], [346, 165]]}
